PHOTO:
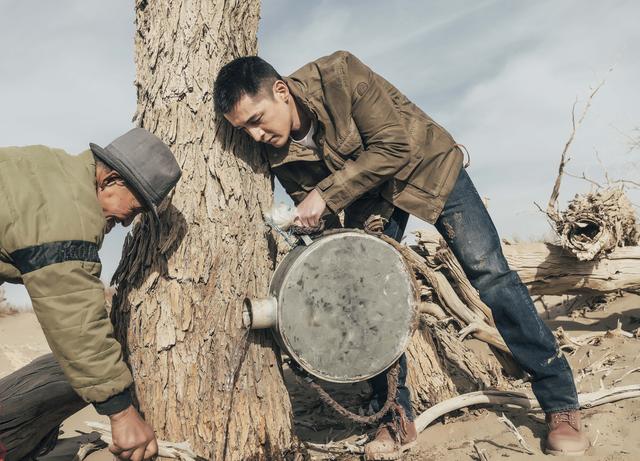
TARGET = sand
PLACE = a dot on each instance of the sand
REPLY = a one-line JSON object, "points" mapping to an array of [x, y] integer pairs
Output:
{"points": [[613, 427]]}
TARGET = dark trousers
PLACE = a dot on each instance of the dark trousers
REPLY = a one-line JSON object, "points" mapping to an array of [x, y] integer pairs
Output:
{"points": [[468, 229]]}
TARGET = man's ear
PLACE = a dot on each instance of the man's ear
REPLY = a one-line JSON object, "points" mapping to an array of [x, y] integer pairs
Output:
{"points": [[281, 90]]}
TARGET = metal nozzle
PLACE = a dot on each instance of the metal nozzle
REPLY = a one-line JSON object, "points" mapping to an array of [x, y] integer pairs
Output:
{"points": [[259, 313]]}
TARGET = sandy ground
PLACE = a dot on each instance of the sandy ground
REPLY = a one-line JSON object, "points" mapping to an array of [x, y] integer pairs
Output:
{"points": [[21, 341], [613, 428]]}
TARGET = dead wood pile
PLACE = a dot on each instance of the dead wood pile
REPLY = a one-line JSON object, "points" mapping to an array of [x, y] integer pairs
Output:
{"points": [[596, 223]]}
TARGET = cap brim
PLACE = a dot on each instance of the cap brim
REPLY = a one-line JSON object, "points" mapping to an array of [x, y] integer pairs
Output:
{"points": [[104, 155]]}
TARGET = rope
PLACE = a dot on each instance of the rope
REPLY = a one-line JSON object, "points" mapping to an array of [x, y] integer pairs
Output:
{"points": [[291, 235], [392, 388]]}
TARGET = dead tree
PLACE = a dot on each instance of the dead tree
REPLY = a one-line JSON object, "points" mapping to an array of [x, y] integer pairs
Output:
{"points": [[595, 223], [198, 376], [441, 365], [549, 269]]}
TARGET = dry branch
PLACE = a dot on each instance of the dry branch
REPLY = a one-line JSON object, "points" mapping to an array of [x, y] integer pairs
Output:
{"points": [[480, 326], [490, 397], [552, 211], [595, 223], [548, 269], [520, 399], [571, 344], [514, 430], [181, 451]]}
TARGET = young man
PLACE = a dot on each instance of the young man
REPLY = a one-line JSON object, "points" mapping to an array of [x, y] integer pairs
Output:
{"points": [[54, 211], [340, 137]]}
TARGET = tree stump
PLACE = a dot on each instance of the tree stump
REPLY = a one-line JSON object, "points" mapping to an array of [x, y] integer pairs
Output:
{"points": [[594, 224]]}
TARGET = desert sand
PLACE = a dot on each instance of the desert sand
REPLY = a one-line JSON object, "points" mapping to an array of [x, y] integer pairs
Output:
{"points": [[612, 427]]}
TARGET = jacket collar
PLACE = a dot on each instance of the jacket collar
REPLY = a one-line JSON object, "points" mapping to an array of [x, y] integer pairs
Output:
{"points": [[292, 152]]}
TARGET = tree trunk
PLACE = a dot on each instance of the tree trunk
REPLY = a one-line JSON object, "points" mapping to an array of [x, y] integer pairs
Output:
{"points": [[199, 376], [440, 364], [548, 269]]}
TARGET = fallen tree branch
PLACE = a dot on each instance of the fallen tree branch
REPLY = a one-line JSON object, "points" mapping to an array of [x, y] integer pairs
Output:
{"points": [[449, 299], [482, 454], [520, 399], [595, 223], [571, 344], [490, 397], [548, 269], [514, 430], [181, 451]]}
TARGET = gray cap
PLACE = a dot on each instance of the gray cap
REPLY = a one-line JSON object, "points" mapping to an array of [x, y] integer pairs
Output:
{"points": [[145, 163]]}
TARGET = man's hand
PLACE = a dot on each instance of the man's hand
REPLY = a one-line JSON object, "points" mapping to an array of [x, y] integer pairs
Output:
{"points": [[310, 210], [133, 438]]}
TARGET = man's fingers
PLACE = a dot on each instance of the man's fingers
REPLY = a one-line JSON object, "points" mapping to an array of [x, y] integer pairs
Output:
{"points": [[125, 454], [115, 449], [152, 450], [138, 455]]}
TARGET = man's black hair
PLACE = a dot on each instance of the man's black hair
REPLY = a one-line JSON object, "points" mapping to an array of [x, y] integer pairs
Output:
{"points": [[247, 75]]}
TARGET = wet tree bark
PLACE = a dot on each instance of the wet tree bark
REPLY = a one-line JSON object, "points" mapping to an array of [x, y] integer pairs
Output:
{"points": [[198, 376]]}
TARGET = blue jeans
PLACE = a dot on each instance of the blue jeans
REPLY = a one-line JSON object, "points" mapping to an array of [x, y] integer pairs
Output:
{"points": [[467, 228]]}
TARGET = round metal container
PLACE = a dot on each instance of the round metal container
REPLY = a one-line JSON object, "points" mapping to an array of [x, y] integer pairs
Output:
{"points": [[345, 306]]}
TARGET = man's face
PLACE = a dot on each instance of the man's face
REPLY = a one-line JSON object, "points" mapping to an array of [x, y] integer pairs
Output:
{"points": [[119, 204], [265, 116]]}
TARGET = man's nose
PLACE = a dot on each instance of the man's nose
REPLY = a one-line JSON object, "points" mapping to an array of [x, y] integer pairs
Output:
{"points": [[257, 134]]}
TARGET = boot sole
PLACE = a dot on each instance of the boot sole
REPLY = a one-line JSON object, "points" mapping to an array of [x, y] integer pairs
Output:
{"points": [[394, 454]]}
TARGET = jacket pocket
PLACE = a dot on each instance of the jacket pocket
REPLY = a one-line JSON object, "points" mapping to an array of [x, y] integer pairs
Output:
{"points": [[437, 161], [348, 145]]}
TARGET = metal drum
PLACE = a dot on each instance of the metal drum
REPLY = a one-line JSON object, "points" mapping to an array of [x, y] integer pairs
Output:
{"points": [[342, 307]]}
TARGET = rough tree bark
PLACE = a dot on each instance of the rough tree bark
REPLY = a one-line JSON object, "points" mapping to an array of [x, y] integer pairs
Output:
{"points": [[177, 310], [595, 223], [548, 269], [440, 364]]}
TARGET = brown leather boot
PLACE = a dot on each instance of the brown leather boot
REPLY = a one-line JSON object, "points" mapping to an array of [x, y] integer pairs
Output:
{"points": [[565, 434], [392, 439]]}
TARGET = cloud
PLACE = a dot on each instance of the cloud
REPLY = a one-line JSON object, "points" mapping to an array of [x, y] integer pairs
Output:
{"points": [[501, 76]]}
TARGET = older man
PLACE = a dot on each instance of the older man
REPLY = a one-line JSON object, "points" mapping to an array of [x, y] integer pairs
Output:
{"points": [[54, 211]]}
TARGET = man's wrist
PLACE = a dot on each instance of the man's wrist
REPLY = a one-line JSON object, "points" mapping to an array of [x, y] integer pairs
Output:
{"points": [[114, 404]]}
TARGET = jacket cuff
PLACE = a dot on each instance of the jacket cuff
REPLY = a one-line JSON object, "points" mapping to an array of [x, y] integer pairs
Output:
{"points": [[334, 196], [114, 404]]}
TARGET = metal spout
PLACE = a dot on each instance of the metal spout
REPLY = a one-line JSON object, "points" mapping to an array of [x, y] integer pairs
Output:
{"points": [[259, 313]]}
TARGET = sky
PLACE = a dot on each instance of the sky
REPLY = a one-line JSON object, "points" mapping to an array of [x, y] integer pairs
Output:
{"points": [[500, 76]]}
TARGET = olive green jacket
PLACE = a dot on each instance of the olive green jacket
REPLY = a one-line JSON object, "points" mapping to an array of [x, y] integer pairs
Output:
{"points": [[372, 140], [51, 227]]}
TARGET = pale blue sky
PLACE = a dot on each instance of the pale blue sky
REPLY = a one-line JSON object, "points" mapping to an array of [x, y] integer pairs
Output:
{"points": [[500, 75]]}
